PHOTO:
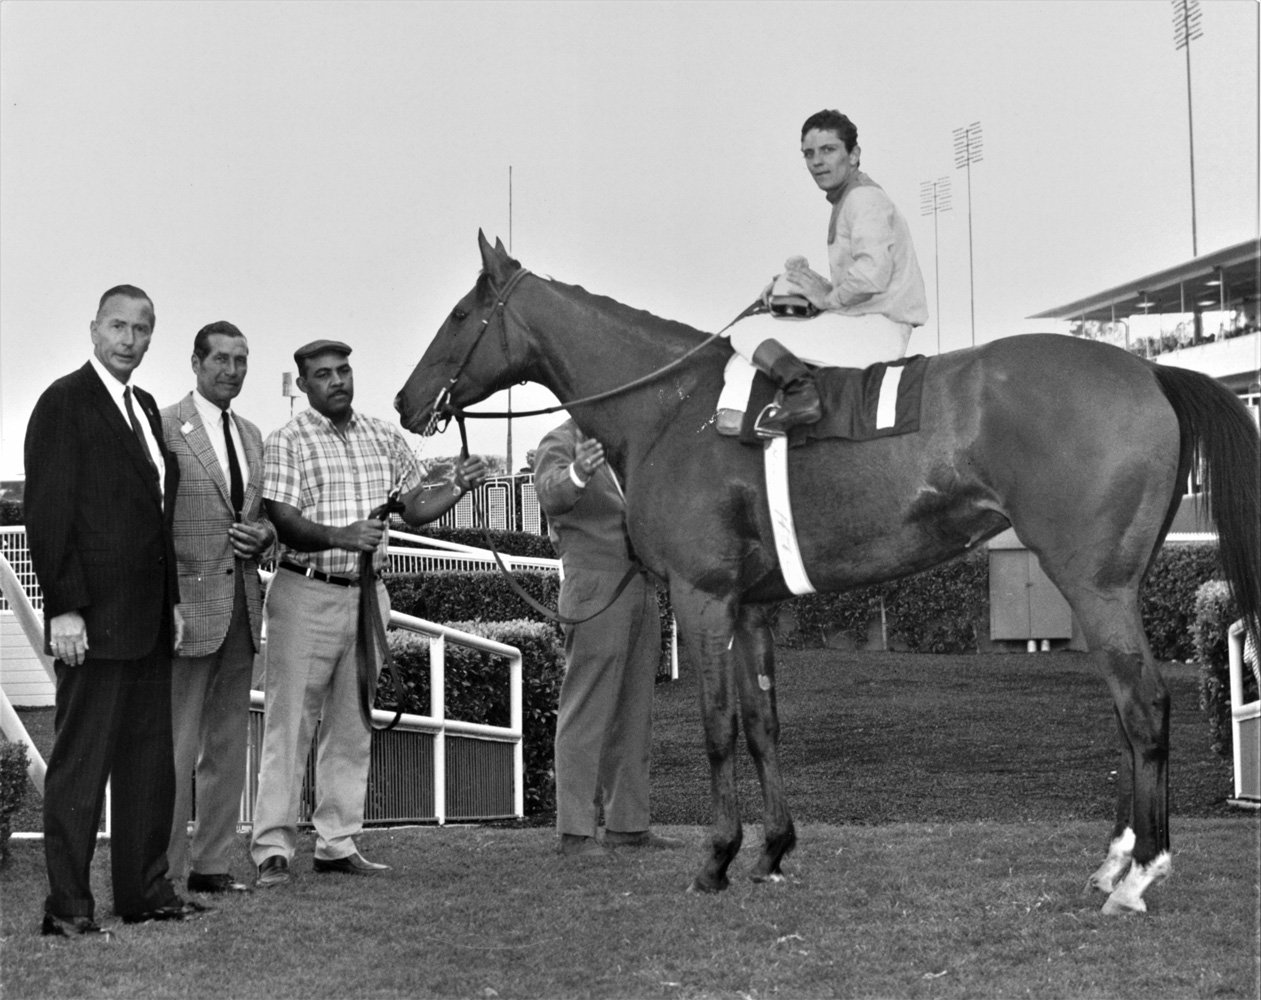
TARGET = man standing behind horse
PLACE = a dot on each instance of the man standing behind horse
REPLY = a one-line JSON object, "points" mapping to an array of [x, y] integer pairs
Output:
{"points": [[604, 721], [325, 472], [869, 308], [220, 533]]}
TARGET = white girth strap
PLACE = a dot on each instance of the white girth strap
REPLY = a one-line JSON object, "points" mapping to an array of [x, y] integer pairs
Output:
{"points": [[775, 457]]}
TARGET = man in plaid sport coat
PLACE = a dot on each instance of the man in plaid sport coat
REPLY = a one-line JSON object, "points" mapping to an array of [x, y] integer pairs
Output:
{"points": [[220, 532]]}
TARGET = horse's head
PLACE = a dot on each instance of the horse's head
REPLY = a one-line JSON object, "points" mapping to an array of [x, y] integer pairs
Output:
{"points": [[469, 359]]}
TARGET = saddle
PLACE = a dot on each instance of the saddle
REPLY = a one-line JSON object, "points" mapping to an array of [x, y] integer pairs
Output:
{"points": [[859, 404]]}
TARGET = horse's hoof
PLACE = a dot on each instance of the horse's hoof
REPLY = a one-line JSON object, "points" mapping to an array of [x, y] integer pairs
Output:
{"points": [[772, 877], [700, 885], [1096, 884], [1115, 906]]}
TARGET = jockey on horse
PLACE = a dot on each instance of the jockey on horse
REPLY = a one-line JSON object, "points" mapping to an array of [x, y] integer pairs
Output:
{"points": [[865, 313]]}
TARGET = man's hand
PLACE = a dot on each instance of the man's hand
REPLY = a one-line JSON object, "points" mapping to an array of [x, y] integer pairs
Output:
{"points": [[469, 473], [361, 536], [248, 540], [68, 638], [588, 457], [814, 287], [179, 630]]}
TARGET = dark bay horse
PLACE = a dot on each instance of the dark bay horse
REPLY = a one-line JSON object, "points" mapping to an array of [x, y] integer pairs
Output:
{"points": [[1083, 448]]}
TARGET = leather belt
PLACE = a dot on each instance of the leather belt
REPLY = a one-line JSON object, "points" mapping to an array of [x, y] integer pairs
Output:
{"points": [[315, 574]]}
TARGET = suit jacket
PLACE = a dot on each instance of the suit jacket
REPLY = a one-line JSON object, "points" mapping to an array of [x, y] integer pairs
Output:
{"points": [[203, 514], [587, 524], [99, 528]]}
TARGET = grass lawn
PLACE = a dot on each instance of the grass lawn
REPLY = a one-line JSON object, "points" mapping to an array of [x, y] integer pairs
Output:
{"points": [[949, 811]]}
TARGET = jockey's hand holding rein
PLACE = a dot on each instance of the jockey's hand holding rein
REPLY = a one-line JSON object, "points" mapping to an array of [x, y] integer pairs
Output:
{"points": [[588, 457], [813, 286]]}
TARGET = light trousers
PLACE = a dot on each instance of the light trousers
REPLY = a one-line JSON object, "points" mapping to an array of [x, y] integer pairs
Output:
{"points": [[829, 339], [310, 673]]}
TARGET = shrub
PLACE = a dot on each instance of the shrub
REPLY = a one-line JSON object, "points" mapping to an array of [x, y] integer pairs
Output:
{"points": [[485, 596], [11, 513], [1168, 598], [1215, 611], [476, 690], [937, 611], [13, 763]]}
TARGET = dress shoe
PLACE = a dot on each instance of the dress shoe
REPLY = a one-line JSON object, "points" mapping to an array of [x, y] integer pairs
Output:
{"points": [[352, 864], [220, 882], [272, 872], [641, 838], [73, 927], [576, 846], [176, 909]]}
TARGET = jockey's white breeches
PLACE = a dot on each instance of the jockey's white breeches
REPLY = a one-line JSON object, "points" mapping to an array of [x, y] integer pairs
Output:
{"points": [[830, 339]]}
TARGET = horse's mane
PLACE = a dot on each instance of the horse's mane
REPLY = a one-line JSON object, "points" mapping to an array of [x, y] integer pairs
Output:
{"points": [[616, 312]]}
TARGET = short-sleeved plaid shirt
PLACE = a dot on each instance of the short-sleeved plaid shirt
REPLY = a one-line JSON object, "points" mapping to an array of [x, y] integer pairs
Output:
{"points": [[334, 479]]}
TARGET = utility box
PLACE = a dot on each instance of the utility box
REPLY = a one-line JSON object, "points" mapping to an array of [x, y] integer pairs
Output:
{"points": [[1024, 604]]}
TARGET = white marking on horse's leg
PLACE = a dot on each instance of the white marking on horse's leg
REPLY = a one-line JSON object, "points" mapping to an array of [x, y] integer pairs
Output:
{"points": [[1128, 896], [1118, 859]]}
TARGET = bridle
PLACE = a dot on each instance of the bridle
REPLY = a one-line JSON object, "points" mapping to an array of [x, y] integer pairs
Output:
{"points": [[443, 411]]}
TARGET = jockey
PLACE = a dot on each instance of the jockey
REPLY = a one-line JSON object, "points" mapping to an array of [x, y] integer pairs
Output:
{"points": [[866, 312]]}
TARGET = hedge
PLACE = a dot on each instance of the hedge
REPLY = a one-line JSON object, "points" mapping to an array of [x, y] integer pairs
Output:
{"points": [[1215, 612], [13, 763], [476, 690], [512, 543], [1168, 598], [485, 596]]}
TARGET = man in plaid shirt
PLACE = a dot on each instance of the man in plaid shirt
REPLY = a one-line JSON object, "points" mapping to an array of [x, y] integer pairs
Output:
{"points": [[323, 473]]}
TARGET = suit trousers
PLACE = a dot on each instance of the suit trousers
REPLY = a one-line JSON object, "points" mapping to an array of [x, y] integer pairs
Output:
{"points": [[604, 720], [210, 705], [310, 674], [113, 721]]}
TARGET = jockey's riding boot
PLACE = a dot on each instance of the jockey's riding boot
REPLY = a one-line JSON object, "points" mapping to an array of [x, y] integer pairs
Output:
{"points": [[799, 396]]}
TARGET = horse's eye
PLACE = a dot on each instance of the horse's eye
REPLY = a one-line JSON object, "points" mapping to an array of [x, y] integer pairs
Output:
{"points": [[458, 315]]}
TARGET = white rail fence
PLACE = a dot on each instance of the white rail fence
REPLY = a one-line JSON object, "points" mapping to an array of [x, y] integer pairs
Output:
{"points": [[429, 768]]}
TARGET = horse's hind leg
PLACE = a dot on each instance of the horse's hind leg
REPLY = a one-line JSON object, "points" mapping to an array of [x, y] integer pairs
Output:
{"points": [[1114, 632], [755, 678], [1121, 849], [706, 627]]}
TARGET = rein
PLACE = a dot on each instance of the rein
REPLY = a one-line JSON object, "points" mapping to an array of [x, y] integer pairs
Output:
{"points": [[372, 633], [442, 408]]}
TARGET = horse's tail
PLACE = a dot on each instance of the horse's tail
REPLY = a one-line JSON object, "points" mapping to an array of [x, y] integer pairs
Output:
{"points": [[1218, 436]]}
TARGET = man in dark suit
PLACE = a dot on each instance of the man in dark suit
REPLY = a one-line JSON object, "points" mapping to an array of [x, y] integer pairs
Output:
{"points": [[220, 531], [100, 492]]}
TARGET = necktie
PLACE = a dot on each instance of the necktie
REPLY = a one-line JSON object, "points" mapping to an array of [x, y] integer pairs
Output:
{"points": [[135, 426], [234, 468]]}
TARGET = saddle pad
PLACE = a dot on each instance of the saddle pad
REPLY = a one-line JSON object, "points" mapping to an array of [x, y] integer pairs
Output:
{"points": [[859, 404]]}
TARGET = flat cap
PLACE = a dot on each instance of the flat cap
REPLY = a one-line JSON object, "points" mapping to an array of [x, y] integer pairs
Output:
{"points": [[319, 347]]}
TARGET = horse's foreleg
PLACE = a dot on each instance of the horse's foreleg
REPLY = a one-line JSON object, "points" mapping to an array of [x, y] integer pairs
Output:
{"points": [[706, 628], [755, 680]]}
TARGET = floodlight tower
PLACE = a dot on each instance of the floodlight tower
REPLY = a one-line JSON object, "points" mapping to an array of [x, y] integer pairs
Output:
{"points": [[968, 152], [934, 198], [1186, 28], [508, 457]]}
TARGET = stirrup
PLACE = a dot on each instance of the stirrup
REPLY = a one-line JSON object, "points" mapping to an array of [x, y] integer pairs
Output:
{"points": [[768, 412]]}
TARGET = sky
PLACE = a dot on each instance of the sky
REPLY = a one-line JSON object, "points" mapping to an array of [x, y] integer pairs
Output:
{"points": [[310, 170]]}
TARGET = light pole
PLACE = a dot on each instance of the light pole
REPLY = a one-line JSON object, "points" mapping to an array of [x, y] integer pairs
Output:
{"points": [[508, 447], [934, 198], [968, 152], [1186, 28]]}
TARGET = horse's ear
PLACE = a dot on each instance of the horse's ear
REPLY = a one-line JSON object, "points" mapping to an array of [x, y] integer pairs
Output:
{"points": [[494, 259], [499, 246]]}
